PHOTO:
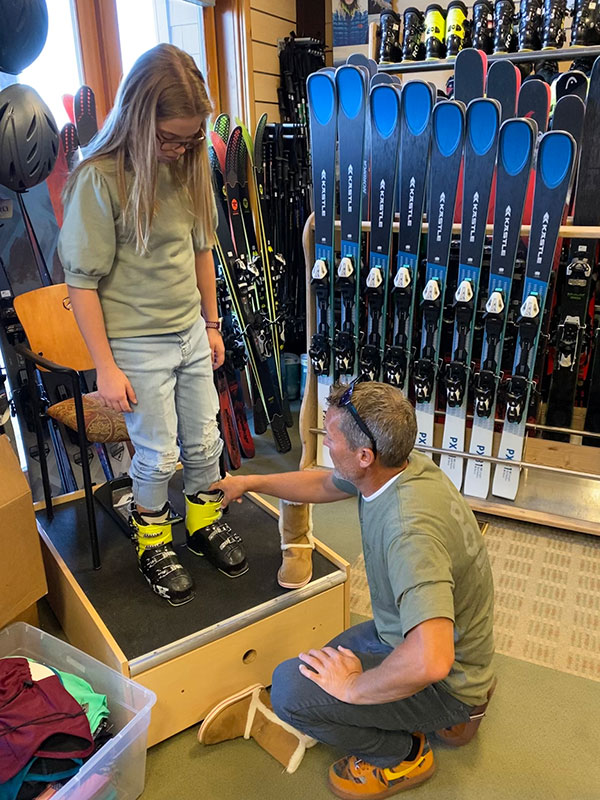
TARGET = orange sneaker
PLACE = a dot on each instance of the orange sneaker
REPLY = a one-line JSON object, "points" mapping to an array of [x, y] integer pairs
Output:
{"points": [[351, 777]]}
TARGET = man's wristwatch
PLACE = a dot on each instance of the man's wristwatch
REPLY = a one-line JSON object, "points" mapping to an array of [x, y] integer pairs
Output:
{"points": [[216, 324]]}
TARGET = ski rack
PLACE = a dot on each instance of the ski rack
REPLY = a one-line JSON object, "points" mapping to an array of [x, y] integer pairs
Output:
{"points": [[550, 493], [529, 57]]}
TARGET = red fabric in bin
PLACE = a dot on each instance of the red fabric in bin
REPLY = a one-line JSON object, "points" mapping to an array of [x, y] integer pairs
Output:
{"points": [[37, 718]]}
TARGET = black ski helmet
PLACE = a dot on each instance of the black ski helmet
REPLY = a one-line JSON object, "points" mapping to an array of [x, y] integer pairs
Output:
{"points": [[23, 32], [28, 138]]}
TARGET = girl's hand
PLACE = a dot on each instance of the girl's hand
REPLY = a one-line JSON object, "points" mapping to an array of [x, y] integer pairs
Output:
{"points": [[114, 388], [217, 348]]}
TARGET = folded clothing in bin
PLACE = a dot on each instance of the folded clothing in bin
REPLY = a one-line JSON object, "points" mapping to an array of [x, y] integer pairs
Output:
{"points": [[41, 726]]}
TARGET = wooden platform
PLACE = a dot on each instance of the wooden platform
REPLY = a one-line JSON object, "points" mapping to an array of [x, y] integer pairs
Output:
{"points": [[232, 634]]}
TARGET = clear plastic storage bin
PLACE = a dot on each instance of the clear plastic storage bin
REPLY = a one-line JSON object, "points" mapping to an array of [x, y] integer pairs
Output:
{"points": [[117, 770]]}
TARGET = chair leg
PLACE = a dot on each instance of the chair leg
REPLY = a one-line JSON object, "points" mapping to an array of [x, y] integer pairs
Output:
{"points": [[87, 479], [39, 434]]}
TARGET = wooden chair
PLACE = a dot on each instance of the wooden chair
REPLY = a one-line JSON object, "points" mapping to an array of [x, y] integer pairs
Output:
{"points": [[56, 345]]}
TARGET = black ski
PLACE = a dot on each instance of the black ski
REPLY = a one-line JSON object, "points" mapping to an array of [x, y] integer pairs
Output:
{"points": [[577, 280], [469, 75], [534, 103], [503, 85]]}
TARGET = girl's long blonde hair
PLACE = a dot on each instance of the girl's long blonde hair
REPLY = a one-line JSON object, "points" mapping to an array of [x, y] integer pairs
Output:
{"points": [[164, 83]]}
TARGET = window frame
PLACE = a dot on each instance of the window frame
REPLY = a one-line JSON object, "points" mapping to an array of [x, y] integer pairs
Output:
{"points": [[100, 51]]}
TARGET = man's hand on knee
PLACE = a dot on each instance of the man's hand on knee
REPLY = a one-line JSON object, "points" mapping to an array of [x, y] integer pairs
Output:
{"points": [[335, 670]]}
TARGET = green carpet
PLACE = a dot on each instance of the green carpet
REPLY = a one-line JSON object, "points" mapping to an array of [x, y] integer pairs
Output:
{"points": [[539, 742]]}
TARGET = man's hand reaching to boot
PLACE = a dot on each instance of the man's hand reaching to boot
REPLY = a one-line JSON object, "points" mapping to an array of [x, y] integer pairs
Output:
{"points": [[233, 487]]}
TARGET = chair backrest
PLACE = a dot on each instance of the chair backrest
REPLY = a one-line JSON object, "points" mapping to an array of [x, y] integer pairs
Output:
{"points": [[51, 328]]}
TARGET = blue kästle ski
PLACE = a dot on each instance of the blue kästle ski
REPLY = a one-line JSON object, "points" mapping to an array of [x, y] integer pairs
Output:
{"points": [[416, 105], [384, 103], [481, 141], [360, 60], [448, 130], [555, 160], [516, 147], [351, 82], [322, 105]]}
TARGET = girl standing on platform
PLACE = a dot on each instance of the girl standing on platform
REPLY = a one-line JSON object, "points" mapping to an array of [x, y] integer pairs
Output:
{"points": [[136, 245]]}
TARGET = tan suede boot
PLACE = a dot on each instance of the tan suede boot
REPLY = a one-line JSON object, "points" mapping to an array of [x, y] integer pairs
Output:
{"points": [[295, 529], [249, 714]]}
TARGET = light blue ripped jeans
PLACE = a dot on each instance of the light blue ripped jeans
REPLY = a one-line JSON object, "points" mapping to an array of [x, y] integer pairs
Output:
{"points": [[176, 412]]}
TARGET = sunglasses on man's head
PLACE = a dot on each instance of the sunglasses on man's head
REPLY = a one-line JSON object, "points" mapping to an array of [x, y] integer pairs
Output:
{"points": [[345, 401]]}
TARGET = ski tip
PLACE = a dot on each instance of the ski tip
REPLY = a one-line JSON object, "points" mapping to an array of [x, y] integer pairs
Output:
{"points": [[280, 434]]}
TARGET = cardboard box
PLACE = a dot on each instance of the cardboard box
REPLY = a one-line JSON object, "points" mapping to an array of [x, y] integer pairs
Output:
{"points": [[22, 577]]}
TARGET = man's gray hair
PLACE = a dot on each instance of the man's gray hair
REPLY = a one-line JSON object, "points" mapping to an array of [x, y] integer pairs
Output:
{"points": [[388, 414]]}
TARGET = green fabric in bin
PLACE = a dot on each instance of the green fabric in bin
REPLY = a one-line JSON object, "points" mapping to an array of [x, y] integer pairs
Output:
{"points": [[94, 704]]}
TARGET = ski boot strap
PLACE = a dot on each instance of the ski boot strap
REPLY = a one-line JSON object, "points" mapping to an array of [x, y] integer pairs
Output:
{"points": [[202, 510], [147, 535]]}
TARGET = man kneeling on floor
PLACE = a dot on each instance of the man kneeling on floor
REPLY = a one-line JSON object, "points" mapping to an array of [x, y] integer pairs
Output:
{"points": [[424, 663]]}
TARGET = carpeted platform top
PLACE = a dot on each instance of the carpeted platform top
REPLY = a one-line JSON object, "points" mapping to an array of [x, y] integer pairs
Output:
{"points": [[137, 618]]}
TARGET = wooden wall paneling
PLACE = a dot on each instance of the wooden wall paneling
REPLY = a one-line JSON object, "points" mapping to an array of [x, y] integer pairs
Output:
{"points": [[266, 58], [265, 87], [286, 9], [100, 50], [270, 109], [267, 28]]}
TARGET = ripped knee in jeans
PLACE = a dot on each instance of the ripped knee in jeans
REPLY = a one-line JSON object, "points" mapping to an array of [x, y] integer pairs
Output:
{"points": [[208, 446], [161, 463]]}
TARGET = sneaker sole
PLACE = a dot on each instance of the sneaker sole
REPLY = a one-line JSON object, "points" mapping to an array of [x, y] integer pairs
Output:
{"points": [[229, 701], [401, 787]]}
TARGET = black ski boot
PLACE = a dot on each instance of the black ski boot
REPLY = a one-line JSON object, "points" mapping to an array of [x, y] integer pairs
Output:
{"points": [[483, 26], [582, 65], [456, 25], [207, 534], [390, 50], [553, 25], [435, 32], [585, 31], [530, 25], [412, 42], [546, 71], [157, 560], [505, 40]]}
